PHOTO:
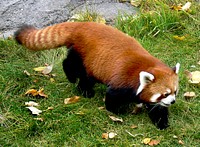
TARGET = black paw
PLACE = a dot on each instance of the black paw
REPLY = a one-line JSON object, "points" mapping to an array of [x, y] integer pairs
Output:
{"points": [[158, 115]]}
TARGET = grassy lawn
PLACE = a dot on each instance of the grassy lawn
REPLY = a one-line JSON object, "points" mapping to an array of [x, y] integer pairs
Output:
{"points": [[83, 123]]}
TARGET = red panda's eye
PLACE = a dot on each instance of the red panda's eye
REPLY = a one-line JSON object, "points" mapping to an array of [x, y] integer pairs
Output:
{"points": [[166, 94]]}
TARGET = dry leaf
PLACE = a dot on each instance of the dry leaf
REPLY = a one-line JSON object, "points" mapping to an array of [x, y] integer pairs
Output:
{"points": [[189, 95], [175, 137], [111, 135], [80, 113], [34, 110], [41, 93], [146, 140], [195, 77], [116, 119], [32, 92], [133, 126], [179, 37], [186, 7], [27, 73], [180, 142], [47, 69], [135, 3], [40, 119], [31, 103], [52, 80], [105, 135], [50, 108], [73, 99], [177, 8], [154, 142], [101, 108], [198, 63]]}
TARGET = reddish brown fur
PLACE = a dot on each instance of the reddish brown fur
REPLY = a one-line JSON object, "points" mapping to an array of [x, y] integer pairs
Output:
{"points": [[109, 55]]}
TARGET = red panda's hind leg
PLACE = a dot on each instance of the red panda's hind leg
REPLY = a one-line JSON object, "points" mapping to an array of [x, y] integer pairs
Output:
{"points": [[72, 65], [74, 69]]}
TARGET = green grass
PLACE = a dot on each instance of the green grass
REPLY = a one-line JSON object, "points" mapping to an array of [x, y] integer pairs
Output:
{"points": [[82, 123]]}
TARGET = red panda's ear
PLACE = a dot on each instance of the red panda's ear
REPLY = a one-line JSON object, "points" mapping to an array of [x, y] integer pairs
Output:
{"points": [[176, 68], [144, 78]]}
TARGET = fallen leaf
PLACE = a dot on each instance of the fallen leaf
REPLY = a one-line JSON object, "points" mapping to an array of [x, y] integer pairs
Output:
{"points": [[111, 135], [80, 113], [116, 119], [31, 103], [175, 137], [154, 142], [179, 37], [52, 80], [34, 110], [177, 8], [40, 119], [39, 69], [50, 108], [146, 140], [47, 69], [101, 108], [194, 77], [189, 95], [41, 93], [105, 135], [133, 126], [135, 3], [27, 73], [187, 6], [198, 63], [180, 142], [33, 92], [71, 100]]}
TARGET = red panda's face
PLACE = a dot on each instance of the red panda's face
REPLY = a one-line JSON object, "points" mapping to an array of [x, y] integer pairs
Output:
{"points": [[159, 87]]}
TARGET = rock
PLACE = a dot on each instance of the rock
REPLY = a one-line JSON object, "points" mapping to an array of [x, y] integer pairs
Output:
{"points": [[41, 13]]}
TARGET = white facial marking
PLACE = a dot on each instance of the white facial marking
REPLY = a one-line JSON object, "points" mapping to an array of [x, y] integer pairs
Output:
{"points": [[168, 100], [139, 105], [155, 97], [168, 91], [177, 68], [144, 78]]}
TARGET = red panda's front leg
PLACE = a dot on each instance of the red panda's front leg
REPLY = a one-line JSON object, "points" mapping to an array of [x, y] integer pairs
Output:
{"points": [[118, 100]]}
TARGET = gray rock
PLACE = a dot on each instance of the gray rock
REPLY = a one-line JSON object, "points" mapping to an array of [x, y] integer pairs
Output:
{"points": [[40, 13]]}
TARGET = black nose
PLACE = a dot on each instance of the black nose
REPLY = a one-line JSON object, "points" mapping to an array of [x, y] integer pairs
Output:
{"points": [[173, 102]]}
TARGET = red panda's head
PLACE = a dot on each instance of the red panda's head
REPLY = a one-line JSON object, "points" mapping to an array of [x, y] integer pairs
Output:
{"points": [[159, 86]]}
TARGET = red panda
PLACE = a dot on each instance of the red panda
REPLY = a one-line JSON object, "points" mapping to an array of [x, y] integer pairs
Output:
{"points": [[101, 53]]}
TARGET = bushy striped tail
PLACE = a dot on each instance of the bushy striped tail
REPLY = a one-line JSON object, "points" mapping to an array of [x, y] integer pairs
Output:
{"points": [[47, 38]]}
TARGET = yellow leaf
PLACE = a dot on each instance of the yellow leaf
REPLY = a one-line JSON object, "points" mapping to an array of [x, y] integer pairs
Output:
{"points": [[33, 92], [71, 100], [50, 108], [179, 37], [40, 69], [27, 73], [52, 80], [194, 77], [177, 8], [146, 140], [135, 3]]}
